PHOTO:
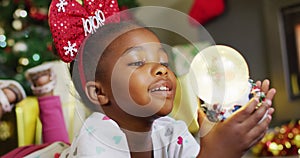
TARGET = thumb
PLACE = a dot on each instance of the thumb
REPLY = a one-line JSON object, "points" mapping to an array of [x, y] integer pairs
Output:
{"points": [[201, 116], [205, 125]]}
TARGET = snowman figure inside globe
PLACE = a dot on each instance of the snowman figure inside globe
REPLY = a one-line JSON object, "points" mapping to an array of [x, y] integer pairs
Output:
{"points": [[220, 78]]}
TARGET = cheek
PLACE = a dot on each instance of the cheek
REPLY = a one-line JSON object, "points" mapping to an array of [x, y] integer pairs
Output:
{"points": [[130, 86], [138, 88], [174, 79], [120, 83]]}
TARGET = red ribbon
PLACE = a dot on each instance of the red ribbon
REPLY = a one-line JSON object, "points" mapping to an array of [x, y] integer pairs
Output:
{"points": [[66, 21]]}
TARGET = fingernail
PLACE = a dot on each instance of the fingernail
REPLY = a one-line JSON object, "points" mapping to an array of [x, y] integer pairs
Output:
{"points": [[270, 117], [267, 81]]}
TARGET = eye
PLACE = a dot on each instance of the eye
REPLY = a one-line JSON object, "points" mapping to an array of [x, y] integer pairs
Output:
{"points": [[138, 63], [165, 64]]}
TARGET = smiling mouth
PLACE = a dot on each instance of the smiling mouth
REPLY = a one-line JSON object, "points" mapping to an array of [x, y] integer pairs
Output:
{"points": [[162, 91], [162, 88]]}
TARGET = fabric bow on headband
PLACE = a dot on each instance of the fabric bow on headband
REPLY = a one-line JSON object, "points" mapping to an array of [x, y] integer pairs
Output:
{"points": [[70, 22]]}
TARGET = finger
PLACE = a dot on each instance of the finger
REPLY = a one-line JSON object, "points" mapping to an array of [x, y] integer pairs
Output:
{"points": [[245, 111], [205, 126], [258, 139], [256, 117], [257, 132], [201, 116], [265, 86], [271, 111], [270, 95], [258, 83]]}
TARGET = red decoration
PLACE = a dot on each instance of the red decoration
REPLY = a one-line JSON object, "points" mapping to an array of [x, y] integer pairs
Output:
{"points": [[66, 23], [179, 140], [56, 155], [38, 14], [205, 10], [282, 141]]}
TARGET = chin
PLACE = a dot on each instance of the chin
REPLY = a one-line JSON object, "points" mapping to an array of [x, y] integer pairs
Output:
{"points": [[166, 110]]}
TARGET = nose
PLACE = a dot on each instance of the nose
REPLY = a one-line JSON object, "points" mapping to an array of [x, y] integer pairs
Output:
{"points": [[160, 70]]}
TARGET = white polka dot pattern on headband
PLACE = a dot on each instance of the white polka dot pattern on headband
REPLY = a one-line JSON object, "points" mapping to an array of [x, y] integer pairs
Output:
{"points": [[70, 22]]}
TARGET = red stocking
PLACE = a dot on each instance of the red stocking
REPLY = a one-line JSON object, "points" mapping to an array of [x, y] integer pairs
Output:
{"points": [[205, 10]]}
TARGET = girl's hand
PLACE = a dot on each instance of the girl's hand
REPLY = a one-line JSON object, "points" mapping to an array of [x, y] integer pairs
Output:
{"points": [[238, 133]]}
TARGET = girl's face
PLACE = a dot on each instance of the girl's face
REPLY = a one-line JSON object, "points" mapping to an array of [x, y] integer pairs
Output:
{"points": [[140, 81]]}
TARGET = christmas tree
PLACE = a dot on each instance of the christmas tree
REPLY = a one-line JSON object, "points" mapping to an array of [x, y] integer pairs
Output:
{"points": [[25, 38]]}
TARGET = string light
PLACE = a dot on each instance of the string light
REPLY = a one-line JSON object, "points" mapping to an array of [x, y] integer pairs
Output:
{"points": [[17, 24], [281, 141], [2, 38], [1, 31], [3, 44], [23, 61], [20, 47], [5, 3], [23, 13], [10, 42], [2, 41], [36, 57], [20, 13]]}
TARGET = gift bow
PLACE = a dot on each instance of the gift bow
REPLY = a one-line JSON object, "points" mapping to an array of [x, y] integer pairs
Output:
{"points": [[70, 22]]}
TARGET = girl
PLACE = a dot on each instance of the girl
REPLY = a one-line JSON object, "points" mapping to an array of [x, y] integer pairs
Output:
{"points": [[121, 72], [134, 88]]}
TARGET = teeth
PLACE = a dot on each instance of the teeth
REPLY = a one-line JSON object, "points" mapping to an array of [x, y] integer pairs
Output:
{"points": [[162, 88]]}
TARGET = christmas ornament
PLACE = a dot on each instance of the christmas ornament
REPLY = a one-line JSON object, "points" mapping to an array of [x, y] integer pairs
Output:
{"points": [[205, 10], [221, 75], [40, 14], [220, 78]]}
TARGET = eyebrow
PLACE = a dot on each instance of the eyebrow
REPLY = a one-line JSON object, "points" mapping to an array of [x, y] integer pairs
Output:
{"points": [[129, 49]]}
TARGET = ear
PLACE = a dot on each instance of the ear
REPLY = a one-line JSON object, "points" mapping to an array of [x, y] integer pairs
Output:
{"points": [[95, 93]]}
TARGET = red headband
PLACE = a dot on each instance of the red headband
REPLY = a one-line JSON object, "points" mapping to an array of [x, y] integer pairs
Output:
{"points": [[70, 22]]}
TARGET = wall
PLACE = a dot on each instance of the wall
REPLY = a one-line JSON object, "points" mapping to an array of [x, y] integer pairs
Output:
{"points": [[241, 27], [286, 108], [181, 5]]}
